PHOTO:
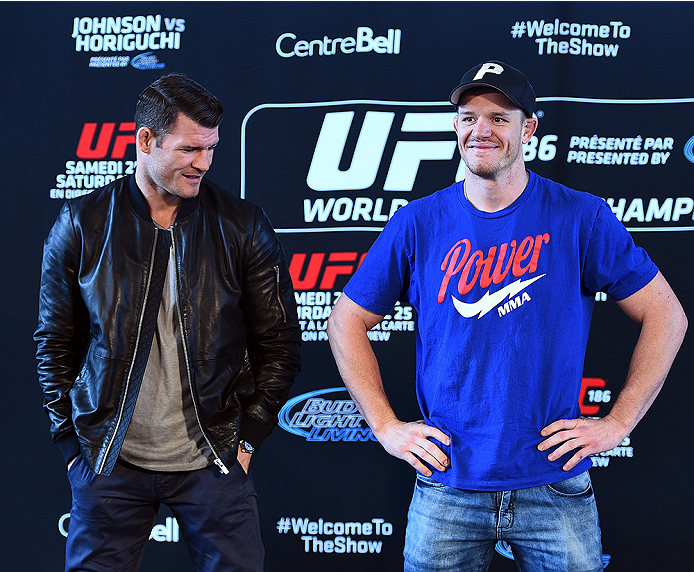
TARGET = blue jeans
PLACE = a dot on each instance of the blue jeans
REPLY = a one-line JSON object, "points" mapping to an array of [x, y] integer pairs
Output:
{"points": [[112, 517], [549, 528]]}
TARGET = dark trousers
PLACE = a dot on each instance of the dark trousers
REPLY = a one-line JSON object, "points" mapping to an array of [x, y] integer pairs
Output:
{"points": [[112, 517]]}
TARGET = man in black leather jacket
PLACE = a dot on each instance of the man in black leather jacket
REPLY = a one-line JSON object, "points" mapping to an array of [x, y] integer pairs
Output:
{"points": [[167, 343]]}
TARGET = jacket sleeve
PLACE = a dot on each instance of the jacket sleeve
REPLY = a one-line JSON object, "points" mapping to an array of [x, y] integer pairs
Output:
{"points": [[276, 336], [62, 329]]}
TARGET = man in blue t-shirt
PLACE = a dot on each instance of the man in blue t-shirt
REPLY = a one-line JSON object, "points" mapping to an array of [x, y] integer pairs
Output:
{"points": [[502, 269]]}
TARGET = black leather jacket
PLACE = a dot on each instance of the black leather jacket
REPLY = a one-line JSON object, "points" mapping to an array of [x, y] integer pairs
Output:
{"points": [[235, 301]]}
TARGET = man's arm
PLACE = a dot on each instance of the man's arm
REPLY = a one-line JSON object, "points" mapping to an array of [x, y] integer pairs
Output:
{"points": [[347, 332], [663, 325], [276, 337], [62, 330]]}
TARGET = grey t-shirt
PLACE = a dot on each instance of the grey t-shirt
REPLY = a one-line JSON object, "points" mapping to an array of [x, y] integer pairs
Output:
{"points": [[164, 434]]}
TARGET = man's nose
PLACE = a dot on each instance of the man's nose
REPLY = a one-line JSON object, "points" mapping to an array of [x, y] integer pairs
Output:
{"points": [[203, 160], [482, 128]]}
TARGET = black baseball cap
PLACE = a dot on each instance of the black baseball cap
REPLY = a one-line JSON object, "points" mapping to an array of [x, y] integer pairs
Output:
{"points": [[503, 77]]}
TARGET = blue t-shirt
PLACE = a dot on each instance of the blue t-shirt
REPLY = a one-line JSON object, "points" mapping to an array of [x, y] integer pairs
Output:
{"points": [[504, 303]]}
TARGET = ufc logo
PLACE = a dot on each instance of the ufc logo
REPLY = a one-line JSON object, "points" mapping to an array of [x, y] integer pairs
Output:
{"points": [[91, 146], [325, 174], [322, 273]]}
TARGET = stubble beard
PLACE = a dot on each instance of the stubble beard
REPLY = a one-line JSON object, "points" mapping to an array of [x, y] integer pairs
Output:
{"points": [[489, 169], [482, 169]]}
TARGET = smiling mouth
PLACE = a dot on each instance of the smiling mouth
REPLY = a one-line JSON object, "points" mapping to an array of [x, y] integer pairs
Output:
{"points": [[482, 144]]}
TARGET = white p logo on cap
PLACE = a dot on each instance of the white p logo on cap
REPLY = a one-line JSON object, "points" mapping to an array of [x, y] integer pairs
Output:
{"points": [[488, 68]]}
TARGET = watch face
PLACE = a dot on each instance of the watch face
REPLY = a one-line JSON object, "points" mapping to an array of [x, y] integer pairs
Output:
{"points": [[246, 447]]}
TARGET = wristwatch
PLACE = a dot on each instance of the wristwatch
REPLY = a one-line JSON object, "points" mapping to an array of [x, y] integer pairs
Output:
{"points": [[246, 447]]}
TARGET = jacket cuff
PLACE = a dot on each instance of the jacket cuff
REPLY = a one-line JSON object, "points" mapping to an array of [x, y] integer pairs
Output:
{"points": [[69, 446], [253, 431]]}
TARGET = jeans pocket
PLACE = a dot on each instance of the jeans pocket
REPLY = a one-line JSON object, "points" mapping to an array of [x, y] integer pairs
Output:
{"points": [[428, 482], [73, 465], [577, 486]]}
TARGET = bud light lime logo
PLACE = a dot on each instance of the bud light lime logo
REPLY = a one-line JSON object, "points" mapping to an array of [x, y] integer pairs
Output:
{"points": [[325, 415]]}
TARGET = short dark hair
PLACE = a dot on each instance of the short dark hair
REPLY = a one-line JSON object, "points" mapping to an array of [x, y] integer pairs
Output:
{"points": [[160, 103]]}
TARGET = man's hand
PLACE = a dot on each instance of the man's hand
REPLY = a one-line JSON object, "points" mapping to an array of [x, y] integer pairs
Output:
{"points": [[663, 324], [348, 329], [411, 442], [244, 460], [589, 436]]}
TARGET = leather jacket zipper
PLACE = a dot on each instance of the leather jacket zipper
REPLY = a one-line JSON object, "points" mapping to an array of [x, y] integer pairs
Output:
{"points": [[217, 460], [100, 468], [279, 295]]}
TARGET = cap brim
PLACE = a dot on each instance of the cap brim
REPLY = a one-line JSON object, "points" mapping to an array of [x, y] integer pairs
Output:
{"points": [[458, 92]]}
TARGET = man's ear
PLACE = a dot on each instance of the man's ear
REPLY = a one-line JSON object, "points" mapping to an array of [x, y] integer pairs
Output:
{"points": [[529, 128], [145, 139]]}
